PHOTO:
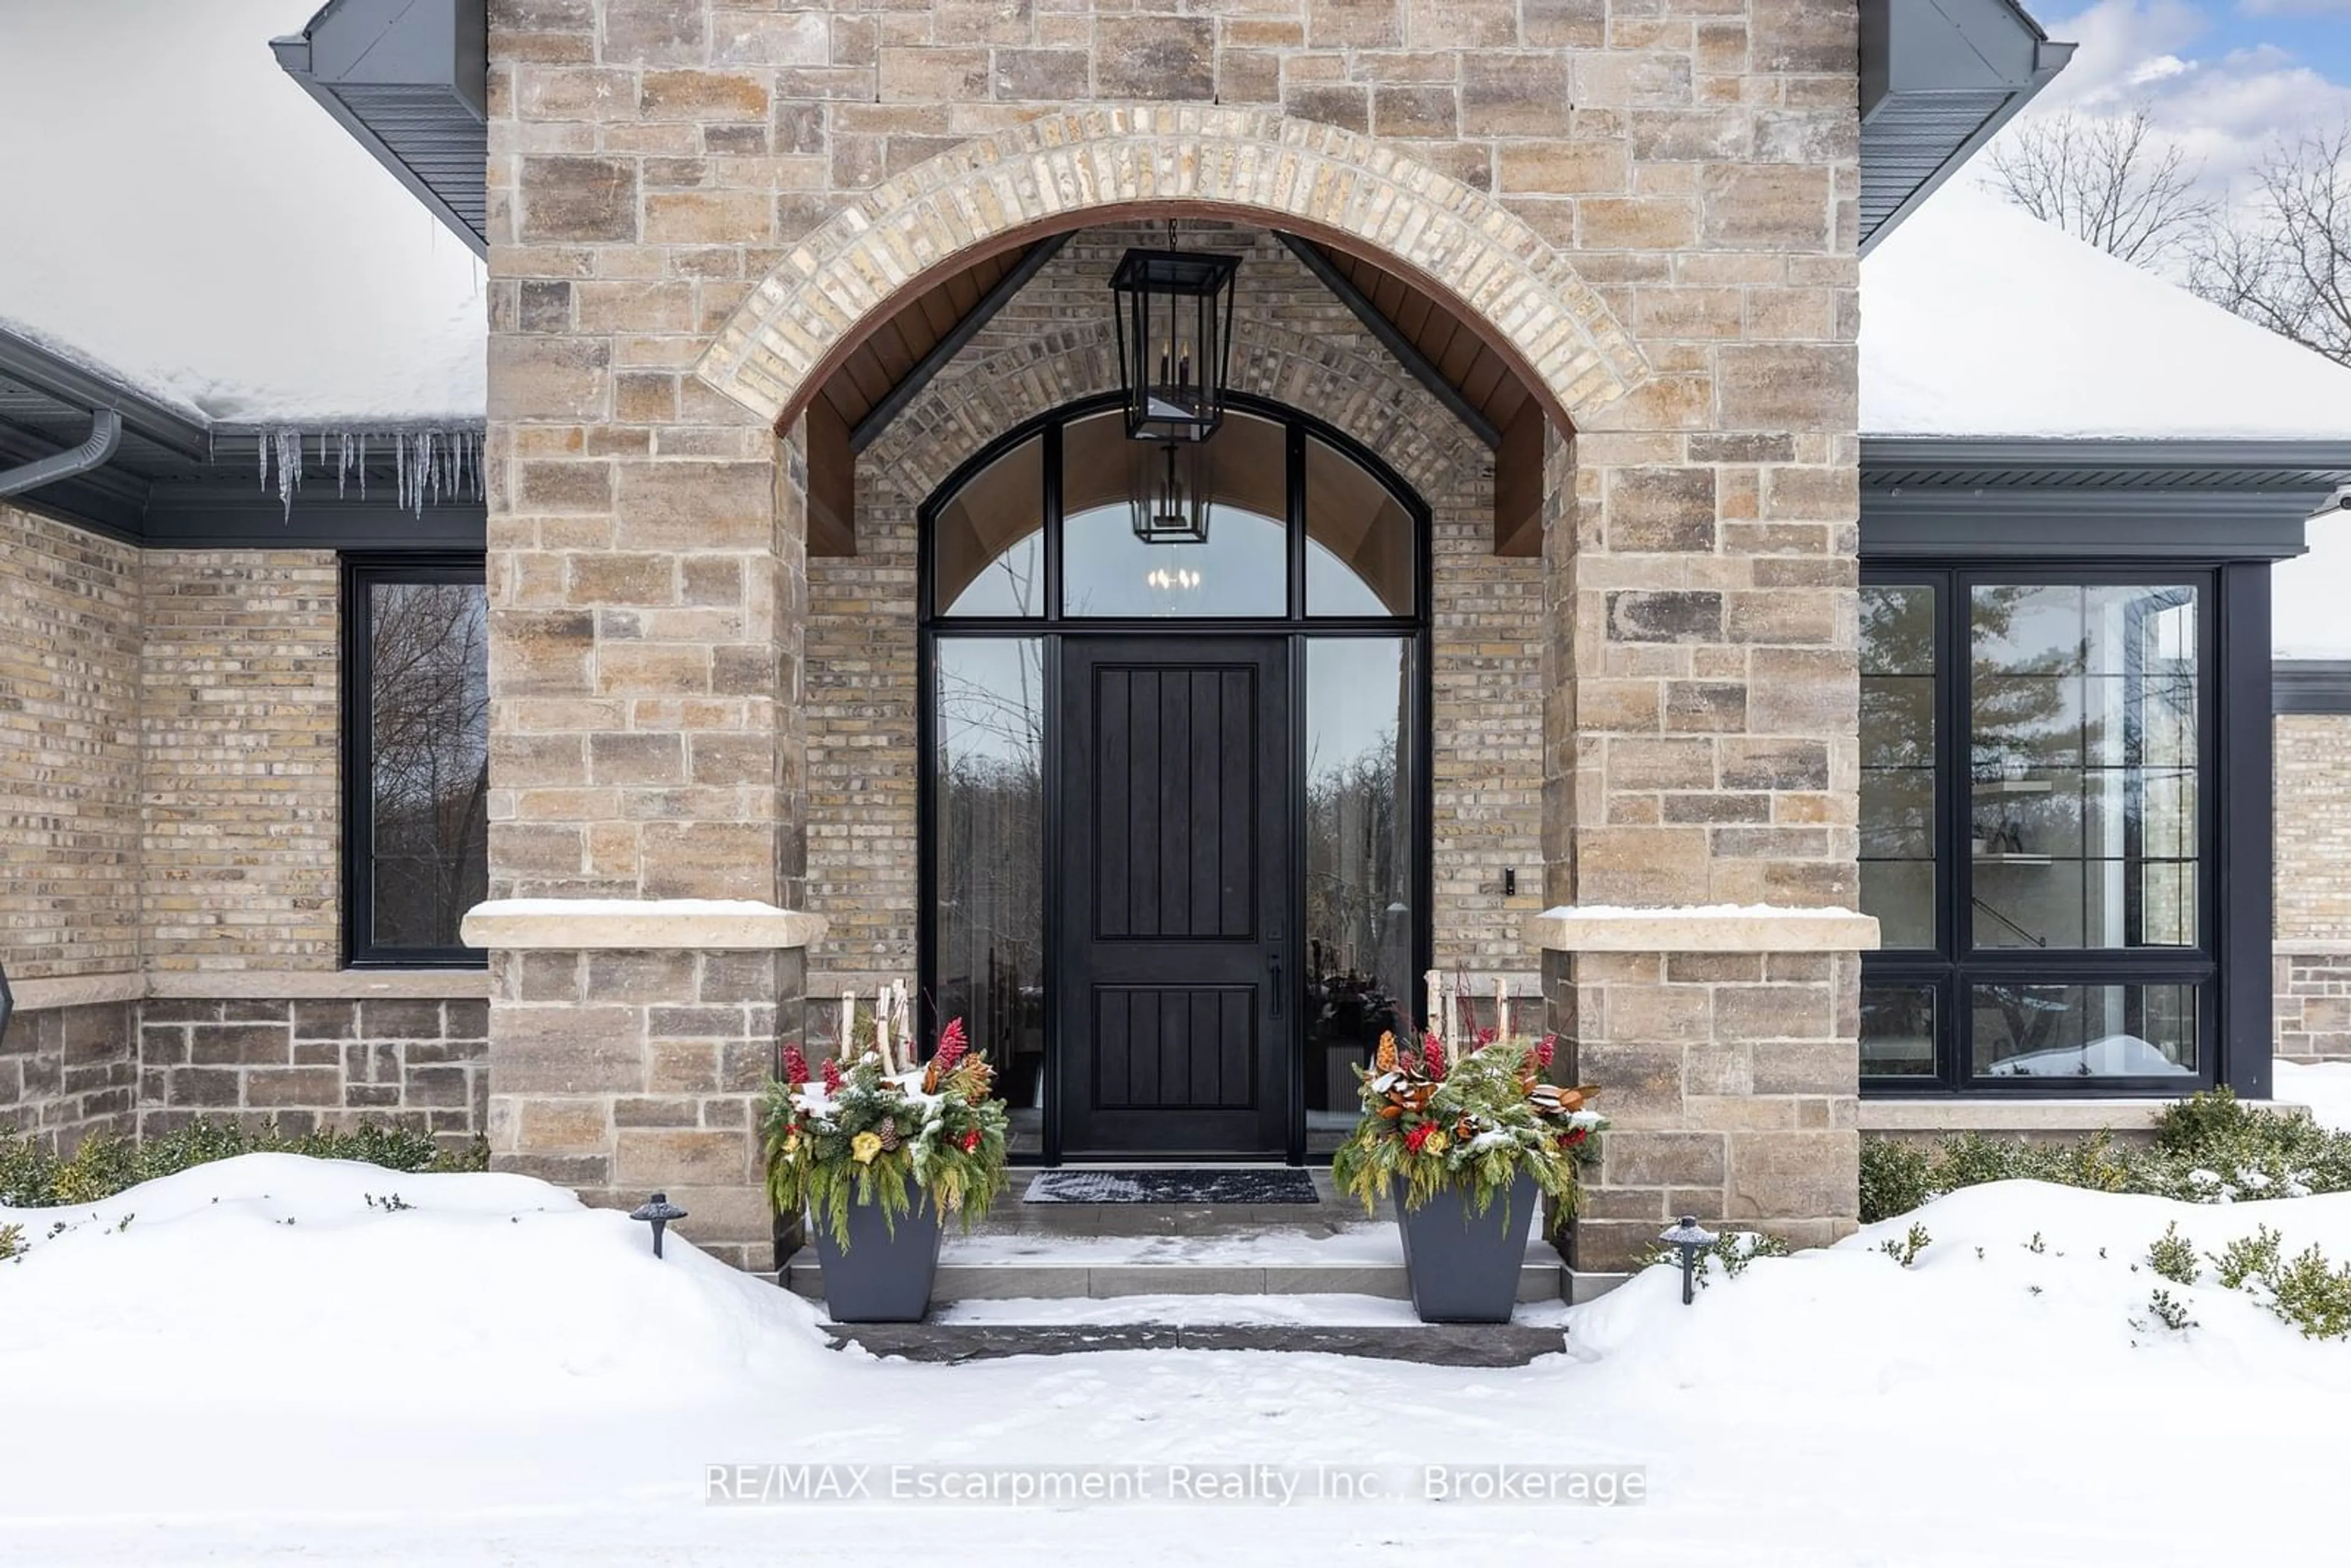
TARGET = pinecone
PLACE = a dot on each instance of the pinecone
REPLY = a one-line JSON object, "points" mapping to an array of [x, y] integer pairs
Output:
{"points": [[889, 1133]]}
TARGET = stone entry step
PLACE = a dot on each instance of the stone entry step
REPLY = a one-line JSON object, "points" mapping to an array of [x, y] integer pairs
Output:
{"points": [[1050, 1273], [1338, 1324], [1104, 1251]]}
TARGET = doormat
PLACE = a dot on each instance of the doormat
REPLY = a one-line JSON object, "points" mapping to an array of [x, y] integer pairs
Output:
{"points": [[1172, 1185]]}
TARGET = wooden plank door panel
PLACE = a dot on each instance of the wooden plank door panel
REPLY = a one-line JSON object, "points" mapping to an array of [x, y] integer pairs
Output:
{"points": [[1172, 1006]]}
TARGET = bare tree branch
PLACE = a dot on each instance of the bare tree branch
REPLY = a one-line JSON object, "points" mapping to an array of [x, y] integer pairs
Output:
{"points": [[2285, 262], [2105, 182]]}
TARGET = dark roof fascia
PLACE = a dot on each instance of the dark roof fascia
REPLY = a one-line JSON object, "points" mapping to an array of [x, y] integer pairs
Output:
{"points": [[2257, 459], [1391, 338], [466, 80], [2029, 523], [86, 388], [2311, 685], [218, 519], [216, 501], [2012, 500], [1923, 48], [899, 398], [99, 502]]}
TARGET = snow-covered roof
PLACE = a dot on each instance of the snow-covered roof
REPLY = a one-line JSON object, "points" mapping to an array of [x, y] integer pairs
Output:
{"points": [[181, 215], [1978, 320]]}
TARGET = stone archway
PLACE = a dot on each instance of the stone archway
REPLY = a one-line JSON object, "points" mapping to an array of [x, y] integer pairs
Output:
{"points": [[1098, 165]]}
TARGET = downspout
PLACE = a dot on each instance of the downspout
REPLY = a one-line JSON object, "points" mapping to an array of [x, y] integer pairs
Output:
{"points": [[105, 435]]}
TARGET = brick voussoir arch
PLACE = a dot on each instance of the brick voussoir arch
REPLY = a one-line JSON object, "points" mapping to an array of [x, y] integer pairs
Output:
{"points": [[1107, 162]]}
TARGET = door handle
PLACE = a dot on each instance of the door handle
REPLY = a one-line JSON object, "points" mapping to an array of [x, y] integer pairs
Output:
{"points": [[1273, 963]]}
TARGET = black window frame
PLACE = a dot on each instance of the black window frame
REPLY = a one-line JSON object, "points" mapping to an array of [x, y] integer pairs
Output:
{"points": [[2228, 964], [361, 570], [1052, 624]]}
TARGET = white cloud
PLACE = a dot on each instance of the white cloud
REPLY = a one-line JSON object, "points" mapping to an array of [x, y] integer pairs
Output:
{"points": [[2222, 109], [2293, 7]]}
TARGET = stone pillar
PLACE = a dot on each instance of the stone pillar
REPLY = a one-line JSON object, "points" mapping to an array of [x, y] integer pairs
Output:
{"points": [[1703, 748], [1724, 1044], [629, 1047], [646, 590]]}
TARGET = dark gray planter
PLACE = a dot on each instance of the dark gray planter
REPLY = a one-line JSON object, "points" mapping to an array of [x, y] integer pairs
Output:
{"points": [[882, 1277], [1464, 1267]]}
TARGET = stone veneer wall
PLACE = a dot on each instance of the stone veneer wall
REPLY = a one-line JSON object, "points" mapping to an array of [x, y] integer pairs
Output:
{"points": [[2311, 961], [1294, 342], [306, 1064], [66, 1072], [1661, 206]]}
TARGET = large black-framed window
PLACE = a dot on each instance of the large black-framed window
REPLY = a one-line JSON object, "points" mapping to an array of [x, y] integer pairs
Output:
{"points": [[415, 699], [2054, 793], [1311, 537]]}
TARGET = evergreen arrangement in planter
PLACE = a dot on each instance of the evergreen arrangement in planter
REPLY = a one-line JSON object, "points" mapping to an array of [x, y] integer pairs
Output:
{"points": [[1466, 1149], [879, 1157]]}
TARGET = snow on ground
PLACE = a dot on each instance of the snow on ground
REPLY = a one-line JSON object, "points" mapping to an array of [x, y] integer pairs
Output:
{"points": [[2325, 1089], [491, 1373], [182, 214], [1978, 320]]}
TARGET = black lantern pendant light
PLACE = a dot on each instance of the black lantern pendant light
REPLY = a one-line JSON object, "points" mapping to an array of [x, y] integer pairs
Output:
{"points": [[1175, 332]]}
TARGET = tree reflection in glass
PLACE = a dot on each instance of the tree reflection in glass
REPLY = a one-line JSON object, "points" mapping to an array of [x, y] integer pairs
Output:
{"points": [[1359, 916], [428, 767], [988, 797], [2082, 756]]}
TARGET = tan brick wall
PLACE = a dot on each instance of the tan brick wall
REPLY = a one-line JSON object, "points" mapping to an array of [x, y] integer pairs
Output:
{"points": [[2312, 797], [238, 718], [68, 751], [2311, 966]]}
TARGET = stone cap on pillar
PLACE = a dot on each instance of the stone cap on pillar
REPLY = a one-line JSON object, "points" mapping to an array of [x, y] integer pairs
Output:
{"points": [[699, 924], [1700, 928]]}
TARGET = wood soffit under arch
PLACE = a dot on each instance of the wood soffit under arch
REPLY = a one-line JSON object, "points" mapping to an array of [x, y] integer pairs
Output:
{"points": [[1463, 362]]}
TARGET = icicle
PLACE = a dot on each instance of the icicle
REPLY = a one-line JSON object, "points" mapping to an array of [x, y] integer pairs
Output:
{"points": [[363, 465], [400, 467]]}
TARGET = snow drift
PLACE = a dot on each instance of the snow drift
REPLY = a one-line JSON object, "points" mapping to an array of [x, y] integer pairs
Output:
{"points": [[272, 1356]]}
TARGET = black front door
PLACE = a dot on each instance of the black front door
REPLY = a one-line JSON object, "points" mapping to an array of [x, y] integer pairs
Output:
{"points": [[1174, 1022]]}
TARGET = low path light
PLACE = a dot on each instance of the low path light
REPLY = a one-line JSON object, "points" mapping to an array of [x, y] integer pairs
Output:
{"points": [[1690, 1238], [658, 1211]]}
